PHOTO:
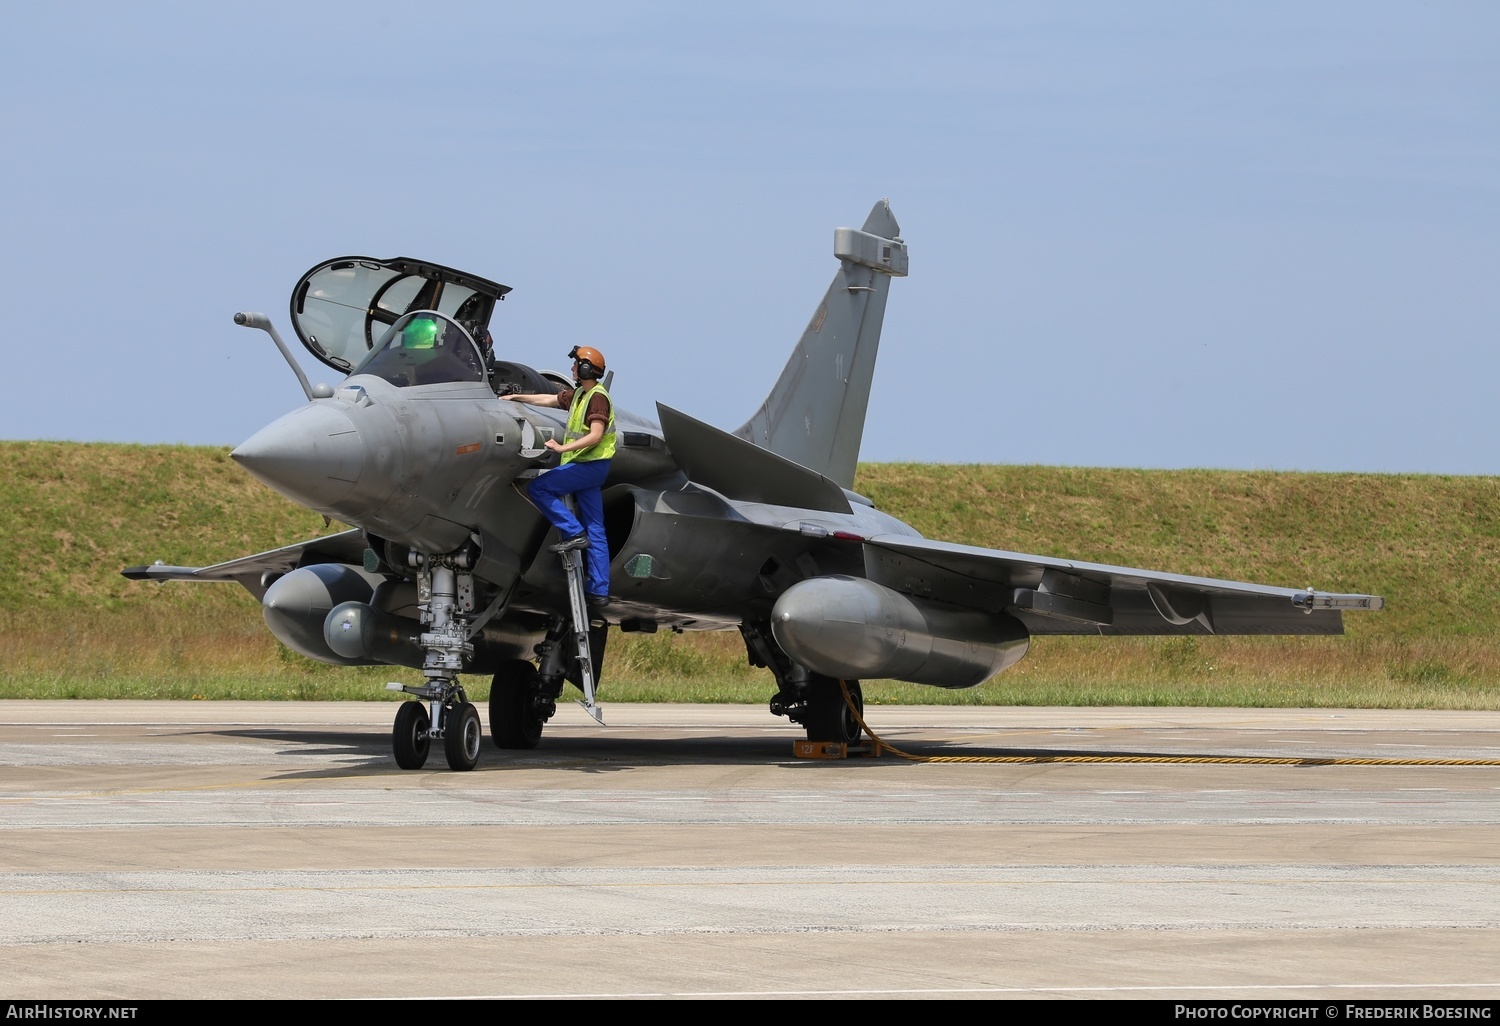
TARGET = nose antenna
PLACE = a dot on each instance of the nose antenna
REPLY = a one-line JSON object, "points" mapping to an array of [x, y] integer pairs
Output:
{"points": [[261, 321]]}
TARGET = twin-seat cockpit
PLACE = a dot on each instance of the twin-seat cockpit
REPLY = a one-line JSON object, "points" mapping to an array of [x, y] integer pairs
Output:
{"points": [[408, 322]]}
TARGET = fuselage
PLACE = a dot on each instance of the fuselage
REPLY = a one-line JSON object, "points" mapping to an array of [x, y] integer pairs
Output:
{"points": [[431, 468], [426, 466]]}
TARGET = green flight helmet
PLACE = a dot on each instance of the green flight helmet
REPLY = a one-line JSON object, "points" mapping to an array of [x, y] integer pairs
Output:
{"points": [[420, 334]]}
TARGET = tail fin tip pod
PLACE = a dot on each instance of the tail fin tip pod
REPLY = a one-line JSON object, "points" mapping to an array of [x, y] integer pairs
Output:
{"points": [[815, 414]]}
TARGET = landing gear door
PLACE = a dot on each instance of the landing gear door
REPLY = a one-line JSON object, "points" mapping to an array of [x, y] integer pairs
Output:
{"points": [[341, 307]]}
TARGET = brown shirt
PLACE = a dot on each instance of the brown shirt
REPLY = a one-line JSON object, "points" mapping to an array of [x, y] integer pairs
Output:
{"points": [[598, 409]]}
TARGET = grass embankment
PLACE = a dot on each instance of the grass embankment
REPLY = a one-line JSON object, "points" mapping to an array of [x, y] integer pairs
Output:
{"points": [[72, 515]]}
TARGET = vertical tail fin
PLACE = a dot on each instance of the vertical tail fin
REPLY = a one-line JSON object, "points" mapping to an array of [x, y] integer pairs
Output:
{"points": [[815, 415]]}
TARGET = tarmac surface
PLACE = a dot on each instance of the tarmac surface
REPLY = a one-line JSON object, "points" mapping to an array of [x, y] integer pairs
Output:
{"points": [[274, 850]]}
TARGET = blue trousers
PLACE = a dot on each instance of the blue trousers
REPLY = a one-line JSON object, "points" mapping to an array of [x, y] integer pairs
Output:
{"points": [[582, 480]]}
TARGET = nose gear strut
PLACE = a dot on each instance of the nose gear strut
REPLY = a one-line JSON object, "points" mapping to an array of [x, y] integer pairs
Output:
{"points": [[445, 589]]}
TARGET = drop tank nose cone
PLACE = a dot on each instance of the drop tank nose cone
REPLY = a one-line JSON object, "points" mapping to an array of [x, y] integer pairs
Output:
{"points": [[313, 455]]}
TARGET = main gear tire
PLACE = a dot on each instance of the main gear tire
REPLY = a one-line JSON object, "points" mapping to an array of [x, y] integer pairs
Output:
{"points": [[515, 717], [828, 716]]}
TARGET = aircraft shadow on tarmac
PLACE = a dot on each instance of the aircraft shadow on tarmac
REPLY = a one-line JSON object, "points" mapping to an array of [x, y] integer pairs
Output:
{"points": [[367, 753]]}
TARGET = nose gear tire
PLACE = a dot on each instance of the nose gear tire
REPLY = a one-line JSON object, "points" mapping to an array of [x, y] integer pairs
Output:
{"points": [[461, 736], [409, 736]]}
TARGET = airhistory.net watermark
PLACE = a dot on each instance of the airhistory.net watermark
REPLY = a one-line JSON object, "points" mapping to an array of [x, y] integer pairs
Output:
{"points": [[69, 1010]]}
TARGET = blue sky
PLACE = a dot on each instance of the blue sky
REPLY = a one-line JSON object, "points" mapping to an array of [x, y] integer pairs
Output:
{"points": [[1153, 234]]}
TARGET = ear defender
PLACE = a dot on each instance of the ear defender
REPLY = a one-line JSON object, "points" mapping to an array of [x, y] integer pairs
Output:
{"points": [[590, 362]]}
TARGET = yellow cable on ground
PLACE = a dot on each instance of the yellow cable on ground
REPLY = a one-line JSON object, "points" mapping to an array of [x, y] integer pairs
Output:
{"points": [[1175, 760]]}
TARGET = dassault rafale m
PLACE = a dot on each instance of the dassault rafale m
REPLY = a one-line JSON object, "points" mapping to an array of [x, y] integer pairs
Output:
{"points": [[448, 567]]}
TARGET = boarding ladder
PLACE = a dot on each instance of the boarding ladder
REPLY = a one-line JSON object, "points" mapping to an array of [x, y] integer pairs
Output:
{"points": [[572, 561]]}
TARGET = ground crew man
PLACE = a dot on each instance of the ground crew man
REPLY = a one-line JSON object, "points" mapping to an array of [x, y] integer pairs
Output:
{"points": [[587, 447]]}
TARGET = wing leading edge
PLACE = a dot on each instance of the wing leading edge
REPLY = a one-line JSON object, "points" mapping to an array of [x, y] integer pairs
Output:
{"points": [[1060, 596], [251, 571]]}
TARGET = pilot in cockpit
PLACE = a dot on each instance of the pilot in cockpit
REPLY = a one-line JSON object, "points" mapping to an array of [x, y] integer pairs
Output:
{"points": [[424, 348], [419, 344]]}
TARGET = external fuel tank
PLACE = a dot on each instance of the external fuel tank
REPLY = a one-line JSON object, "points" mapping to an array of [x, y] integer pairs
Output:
{"points": [[855, 629]]}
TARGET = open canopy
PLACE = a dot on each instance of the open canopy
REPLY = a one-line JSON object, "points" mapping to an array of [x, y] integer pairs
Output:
{"points": [[342, 307]]}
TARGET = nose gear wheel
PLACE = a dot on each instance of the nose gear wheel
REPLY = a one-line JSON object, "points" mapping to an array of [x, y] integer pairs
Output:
{"points": [[409, 736], [461, 736]]}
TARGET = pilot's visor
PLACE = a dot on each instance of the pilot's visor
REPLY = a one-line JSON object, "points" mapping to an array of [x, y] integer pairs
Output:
{"points": [[420, 333], [424, 348]]}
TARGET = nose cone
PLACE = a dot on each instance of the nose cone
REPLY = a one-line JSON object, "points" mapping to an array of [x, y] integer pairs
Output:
{"points": [[313, 456]]}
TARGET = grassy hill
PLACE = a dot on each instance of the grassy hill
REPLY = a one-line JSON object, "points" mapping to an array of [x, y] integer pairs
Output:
{"points": [[71, 515]]}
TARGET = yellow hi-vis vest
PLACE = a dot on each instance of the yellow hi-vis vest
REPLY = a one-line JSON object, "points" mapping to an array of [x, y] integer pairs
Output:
{"points": [[603, 449]]}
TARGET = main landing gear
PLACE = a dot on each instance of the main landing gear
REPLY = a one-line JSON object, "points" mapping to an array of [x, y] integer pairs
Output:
{"points": [[819, 705], [814, 700], [524, 697], [520, 705], [827, 716]]}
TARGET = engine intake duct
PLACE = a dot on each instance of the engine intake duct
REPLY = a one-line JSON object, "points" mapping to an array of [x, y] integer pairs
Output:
{"points": [[855, 629]]}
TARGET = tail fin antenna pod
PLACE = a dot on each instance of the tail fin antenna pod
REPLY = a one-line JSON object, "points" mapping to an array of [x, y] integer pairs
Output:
{"points": [[815, 415]]}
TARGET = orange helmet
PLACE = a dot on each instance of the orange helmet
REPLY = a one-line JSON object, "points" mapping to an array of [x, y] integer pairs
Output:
{"points": [[590, 362]]}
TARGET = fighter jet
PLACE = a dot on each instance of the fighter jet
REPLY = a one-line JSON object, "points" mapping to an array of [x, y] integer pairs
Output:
{"points": [[448, 568]]}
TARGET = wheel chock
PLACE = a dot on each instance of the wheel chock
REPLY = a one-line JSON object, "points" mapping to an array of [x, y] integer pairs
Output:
{"points": [[832, 750]]}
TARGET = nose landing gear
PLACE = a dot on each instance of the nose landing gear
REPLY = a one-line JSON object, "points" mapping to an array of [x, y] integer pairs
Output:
{"points": [[445, 589], [458, 728]]}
